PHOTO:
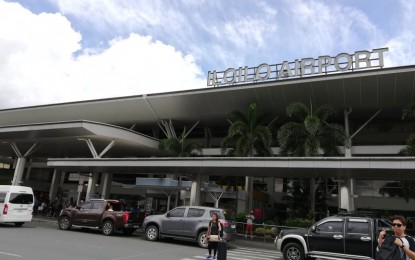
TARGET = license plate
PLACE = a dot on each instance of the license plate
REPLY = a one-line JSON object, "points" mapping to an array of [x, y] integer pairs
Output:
{"points": [[233, 226]]}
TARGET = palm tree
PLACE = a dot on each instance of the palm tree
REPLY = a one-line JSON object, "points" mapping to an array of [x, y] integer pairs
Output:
{"points": [[310, 132], [409, 112], [307, 134], [180, 147], [247, 136]]}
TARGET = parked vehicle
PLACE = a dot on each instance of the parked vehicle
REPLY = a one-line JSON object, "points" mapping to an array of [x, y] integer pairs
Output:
{"points": [[106, 215], [336, 237], [16, 204], [186, 223]]}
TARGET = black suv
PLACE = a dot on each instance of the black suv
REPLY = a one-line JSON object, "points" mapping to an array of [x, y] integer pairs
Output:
{"points": [[336, 237]]}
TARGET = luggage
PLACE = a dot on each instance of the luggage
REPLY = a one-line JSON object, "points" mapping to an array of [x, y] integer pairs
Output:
{"points": [[222, 250]]}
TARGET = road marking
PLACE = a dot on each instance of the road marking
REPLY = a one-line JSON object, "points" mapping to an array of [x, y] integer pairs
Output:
{"points": [[245, 254], [4, 253]]}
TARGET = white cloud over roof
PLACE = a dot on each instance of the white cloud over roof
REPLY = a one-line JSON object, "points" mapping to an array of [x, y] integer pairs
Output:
{"points": [[98, 49], [42, 61]]}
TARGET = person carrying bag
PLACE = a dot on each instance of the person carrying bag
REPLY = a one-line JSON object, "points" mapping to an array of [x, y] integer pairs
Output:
{"points": [[213, 234], [398, 245]]}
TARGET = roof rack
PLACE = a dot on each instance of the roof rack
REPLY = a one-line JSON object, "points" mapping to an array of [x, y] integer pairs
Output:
{"points": [[357, 214]]}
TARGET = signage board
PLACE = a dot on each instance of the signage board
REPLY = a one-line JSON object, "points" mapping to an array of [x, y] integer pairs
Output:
{"points": [[299, 68]]}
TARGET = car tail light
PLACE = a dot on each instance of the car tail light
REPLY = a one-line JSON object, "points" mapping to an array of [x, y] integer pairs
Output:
{"points": [[5, 209], [225, 223], [125, 217]]}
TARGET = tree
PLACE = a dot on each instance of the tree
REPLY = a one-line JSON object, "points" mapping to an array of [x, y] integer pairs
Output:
{"points": [[307, 134], [409, 112], [180, 147], [247, 136], [310, 132]]}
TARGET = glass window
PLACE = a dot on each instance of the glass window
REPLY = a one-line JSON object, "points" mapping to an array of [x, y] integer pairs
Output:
{"points": [[21, 198], [331, 226], [195, 213], [86, 205], [177, 212], [2, 197], [383, 224], [98, 205], [358, 227]]}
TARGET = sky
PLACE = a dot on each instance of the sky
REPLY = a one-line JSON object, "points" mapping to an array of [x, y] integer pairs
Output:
{"points": [[54, 51]]}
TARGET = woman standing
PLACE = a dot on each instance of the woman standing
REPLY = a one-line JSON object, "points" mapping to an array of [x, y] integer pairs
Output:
{"points": [[214, 231]]}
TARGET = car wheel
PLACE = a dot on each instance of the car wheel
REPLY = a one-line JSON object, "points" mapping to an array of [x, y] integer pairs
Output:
{"points": [[152, 233], [128, 231], [202, 239], [293, 251], [18, 224], [64, 223], [108, 228]]}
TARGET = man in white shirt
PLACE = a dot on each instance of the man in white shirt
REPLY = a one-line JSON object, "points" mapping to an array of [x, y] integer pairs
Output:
{"points": [[406, 243]]}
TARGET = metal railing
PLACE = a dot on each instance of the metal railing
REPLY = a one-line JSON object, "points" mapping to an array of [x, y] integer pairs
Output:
{"points": [[263, 231]]}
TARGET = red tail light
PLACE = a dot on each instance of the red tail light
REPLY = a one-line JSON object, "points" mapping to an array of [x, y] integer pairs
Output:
{"points": [[125, 218], [224, 223], [5, 209]]}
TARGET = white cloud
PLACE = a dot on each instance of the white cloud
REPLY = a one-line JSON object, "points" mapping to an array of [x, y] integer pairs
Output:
{"points": [[216, 33], [38, 66], [401, 45], [325, 29]]}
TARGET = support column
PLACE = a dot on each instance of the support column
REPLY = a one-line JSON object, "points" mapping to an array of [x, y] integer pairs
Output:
{"points": [[195, 191], [216, 198], [21, 162], [54, 184], [92, 180], [348, 145], [346, 195], [106, 185], [29, 169], [18, 172], [271, 189], [249, 193]]}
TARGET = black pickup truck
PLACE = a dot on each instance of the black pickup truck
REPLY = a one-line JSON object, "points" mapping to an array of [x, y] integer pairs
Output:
{"points": [[335, 237], [105, 215]]}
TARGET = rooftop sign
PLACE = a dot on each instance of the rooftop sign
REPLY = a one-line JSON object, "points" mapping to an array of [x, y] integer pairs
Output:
{"points": [[298, 68]]}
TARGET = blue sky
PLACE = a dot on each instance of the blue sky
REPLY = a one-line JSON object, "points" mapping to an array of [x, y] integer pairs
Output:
{"points": [[66, 50]]}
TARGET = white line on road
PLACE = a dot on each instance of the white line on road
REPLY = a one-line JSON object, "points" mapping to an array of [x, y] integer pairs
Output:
{"points": [[4, 253]]}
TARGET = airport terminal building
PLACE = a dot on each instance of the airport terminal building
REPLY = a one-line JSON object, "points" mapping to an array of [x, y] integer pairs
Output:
{"points": [[109, 148]]}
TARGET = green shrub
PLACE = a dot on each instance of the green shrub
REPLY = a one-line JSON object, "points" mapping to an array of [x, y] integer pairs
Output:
{"points": [[240, 217], [266, 231], [298, 222]]}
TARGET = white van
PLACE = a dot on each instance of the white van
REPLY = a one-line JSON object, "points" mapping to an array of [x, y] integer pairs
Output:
{"points": [[16, 204]]}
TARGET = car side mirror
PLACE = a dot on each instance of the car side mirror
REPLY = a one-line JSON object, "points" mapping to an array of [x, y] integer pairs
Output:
{"points": [[313, 229], [168, 214]]}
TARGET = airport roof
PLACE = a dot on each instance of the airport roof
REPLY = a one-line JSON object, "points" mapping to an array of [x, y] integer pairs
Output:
{"points": [[58, 127]]}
